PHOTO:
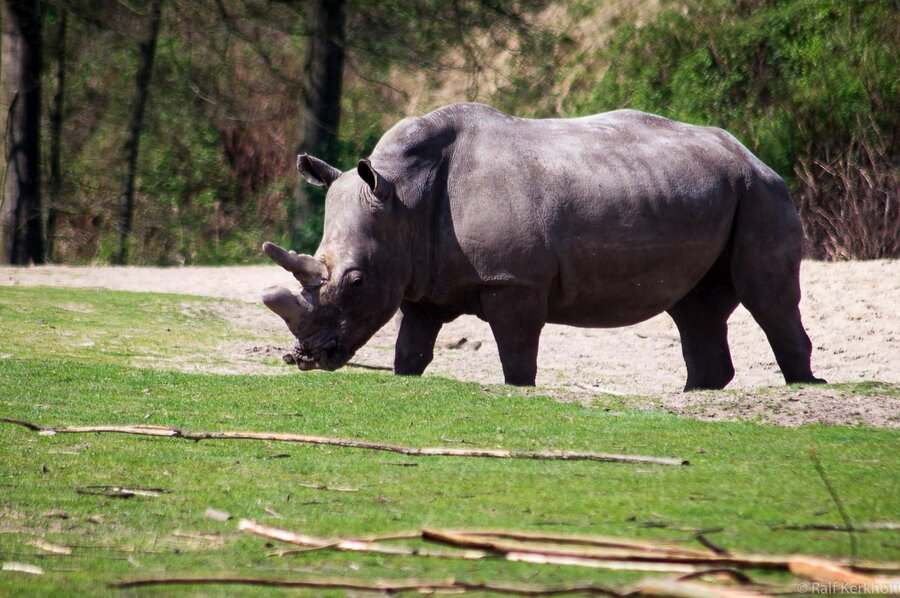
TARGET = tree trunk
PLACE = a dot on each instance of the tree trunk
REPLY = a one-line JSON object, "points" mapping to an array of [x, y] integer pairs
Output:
{"points": [[21, 239], [54, 185], [322, 78], [132, 140]]}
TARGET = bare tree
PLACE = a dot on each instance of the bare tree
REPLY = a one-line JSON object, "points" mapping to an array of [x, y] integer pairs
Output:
{"points": [[132, 140], [54, 184], [323, 75], [21, 238]]}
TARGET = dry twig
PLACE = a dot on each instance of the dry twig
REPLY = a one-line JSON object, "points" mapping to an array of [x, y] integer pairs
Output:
{"points": [[829, 572], [168, 432], [396, 586], [691, 589], [835, 497], [377, 547], [659, 554], [351, 545], [583, 540]]}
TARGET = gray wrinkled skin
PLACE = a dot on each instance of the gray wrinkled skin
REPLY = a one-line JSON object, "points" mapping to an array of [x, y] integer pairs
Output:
{"points": [[599, 221]]}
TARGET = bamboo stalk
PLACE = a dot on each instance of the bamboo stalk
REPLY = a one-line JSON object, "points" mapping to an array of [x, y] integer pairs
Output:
{"points": [[164, 431]]}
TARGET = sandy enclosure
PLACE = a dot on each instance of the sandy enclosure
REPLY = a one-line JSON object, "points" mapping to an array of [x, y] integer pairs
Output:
{"points": [[851, 311]]}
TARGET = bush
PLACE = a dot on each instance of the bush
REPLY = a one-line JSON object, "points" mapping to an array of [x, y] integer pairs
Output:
{"points": [[810, 86], [848, 202]]}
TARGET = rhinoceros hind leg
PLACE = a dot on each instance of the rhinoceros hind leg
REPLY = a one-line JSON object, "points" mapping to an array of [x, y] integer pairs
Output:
{"points": [[420, 324], [766, 274], [517, 316], [775, 308], [702, 321]]}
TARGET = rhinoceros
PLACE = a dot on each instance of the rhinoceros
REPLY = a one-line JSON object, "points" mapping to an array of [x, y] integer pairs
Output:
{"points": [[598, 221]]}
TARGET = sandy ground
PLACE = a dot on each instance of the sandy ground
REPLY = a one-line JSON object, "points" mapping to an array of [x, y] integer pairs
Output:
{"points": [[851, 311]]}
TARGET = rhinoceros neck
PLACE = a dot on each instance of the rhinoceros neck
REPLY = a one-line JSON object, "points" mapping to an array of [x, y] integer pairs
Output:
{"points": [[414, 155]]}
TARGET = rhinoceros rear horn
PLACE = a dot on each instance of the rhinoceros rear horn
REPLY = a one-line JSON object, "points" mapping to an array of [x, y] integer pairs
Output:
{"points": [[305, 268]]}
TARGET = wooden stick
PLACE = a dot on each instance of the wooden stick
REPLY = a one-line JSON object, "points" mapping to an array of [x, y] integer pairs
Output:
{"points": [[828, 572], [646, 553], [593, 554], [145, 430], [537, 558], [377, 586], [691, 589], [759, 561], [358, 545], [584, 540], [824, 527], [351, 545], [636, 551]]}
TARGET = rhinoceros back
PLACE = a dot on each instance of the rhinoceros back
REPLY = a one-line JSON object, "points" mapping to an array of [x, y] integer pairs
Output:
{"points": [[618, 215]]}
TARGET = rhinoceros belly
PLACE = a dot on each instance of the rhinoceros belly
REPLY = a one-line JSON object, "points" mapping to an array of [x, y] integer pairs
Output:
{"points": [[626, 260]]}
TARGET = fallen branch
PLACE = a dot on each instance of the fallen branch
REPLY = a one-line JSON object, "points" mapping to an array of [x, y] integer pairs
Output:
{"points": [[595, 552], [350, 545], [537, 558], [324, 487], [825, 527], [831, 573], [732, 574], [21, 568], [120, 491], [624, 551], [583, 540], [168, 432], [702, 539], [376, 547], [835, 497], [691, 589], [659, 554], [378, 586]]}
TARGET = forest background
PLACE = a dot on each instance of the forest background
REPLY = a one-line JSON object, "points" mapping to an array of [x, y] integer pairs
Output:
{"points": [[165, 132]]}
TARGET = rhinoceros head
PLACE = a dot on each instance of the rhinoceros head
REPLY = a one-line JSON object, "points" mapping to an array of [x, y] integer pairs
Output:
{"points": [[354, 283]]}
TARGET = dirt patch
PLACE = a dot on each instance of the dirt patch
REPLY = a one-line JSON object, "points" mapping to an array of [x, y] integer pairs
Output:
{"points": [[850, 310]]}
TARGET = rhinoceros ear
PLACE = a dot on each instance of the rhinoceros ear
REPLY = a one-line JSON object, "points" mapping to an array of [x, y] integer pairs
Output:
{"points": [[377, 183], [316, 172], [305, 268]]}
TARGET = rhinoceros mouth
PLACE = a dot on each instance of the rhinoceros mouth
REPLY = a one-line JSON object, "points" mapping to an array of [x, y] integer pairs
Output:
{"points": [[329, 356]]}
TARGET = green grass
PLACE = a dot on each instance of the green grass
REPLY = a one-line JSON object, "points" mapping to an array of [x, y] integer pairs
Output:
{"points": [[113, 327], [744, 478]]}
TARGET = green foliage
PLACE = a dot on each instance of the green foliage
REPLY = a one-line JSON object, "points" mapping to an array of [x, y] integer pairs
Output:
{"points": [[743, 478], [785, 77], [808, 85]]}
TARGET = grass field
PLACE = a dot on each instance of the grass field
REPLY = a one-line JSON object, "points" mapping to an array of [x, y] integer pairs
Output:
{"points": [[68, 357]]}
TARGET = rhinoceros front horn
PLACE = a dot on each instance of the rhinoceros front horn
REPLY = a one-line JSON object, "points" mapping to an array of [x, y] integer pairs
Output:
{"points": [[285, 304], [305, 268]]}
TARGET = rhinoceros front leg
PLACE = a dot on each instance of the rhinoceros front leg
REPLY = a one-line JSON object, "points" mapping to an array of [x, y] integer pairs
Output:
{"points": [[517, 316], [420, 324]]}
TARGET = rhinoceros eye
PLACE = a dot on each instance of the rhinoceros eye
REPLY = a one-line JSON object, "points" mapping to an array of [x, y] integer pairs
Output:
{"points": [[355, 279]]}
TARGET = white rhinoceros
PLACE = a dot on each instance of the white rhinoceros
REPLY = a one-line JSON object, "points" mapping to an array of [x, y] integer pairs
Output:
{"points": [[599, 221]]}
